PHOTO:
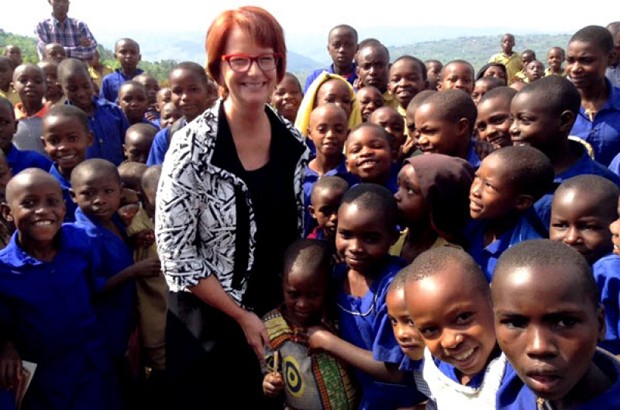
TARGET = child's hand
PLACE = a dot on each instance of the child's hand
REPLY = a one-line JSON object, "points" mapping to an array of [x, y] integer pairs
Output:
{"points": [[10, 367], [85, 42], [147, 268], [318, 337], [144, 239], [273, 384]]}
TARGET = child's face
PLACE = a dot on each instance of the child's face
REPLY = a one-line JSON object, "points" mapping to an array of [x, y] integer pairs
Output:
{"points": [[532, 123], [128, 55], [432, 72], [492, 196], [342, 47], [328, 131], [372, 68], [370, 99], [578, 220], [6, 75], [363, 237], [97, 194], [405, 332], [495, 71], [137, 146], [305, 296], [405, 81], [368, 155], [508, 42], [55, 53], [454, 318], [493, 122], [547, 328], [29, 83], [555, 58], [534, 70], [133, 101], [65, 141], [337, 92], [164, 96], [286, 98], [169, 114], [457, 75], [14, 53], [439, 135], [614, 228], [189, 93], [324, 209], [409, 198], [152, 87], [54, 90], [394, 124], [8, 126], [586, 64], [480, 88], [526, 58], [78, 88]]}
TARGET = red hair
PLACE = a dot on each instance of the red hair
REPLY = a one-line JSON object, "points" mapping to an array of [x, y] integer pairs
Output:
{"points": [[258, 23]]}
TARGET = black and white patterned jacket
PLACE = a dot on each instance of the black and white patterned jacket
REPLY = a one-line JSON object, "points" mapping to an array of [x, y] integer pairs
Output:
{"points": [[196, 214]]}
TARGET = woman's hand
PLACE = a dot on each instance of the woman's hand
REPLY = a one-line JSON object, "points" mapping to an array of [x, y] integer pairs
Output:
{"points": [[255, 333]]}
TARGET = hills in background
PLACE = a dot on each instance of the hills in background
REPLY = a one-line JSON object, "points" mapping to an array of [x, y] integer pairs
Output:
{"points": [[161, 53]]}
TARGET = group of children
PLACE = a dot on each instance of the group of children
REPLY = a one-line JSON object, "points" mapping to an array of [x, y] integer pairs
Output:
{"points": [[417, 198]]}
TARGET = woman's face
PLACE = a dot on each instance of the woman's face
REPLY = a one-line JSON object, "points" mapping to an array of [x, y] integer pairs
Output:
{"points": [[255, 85]]}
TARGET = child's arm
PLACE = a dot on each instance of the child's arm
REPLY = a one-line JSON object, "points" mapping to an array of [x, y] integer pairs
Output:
{"points": [[10, 366], [145, 268], [321, 338]]}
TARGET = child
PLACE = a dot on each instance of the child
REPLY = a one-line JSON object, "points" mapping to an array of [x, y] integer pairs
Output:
{"points": [[432, 203], [366, 339], [54, 52], [133, 101], [508, 57], [6, 76], [193, 92], [534, 70], [394, 125], [45, 299], [598, 121], [53, 91], [555, 59], [127, 53], [457, 74], [544, 112], [6, 227], [410, 148], [342, 46], [164, 96], [502, 194], [17, 159], [328, 131], [106, 120], [138, 142], [433, 68], [407, 77], [150, 179], [527, 56], [484, 85], [287, 96], [98, 70], [368, 153], [444, 124], [372, 65], [66, 138], [29, 83], [493, 121], [14, 53], [152, 88], [496, 70], [449, 302], [321, 380], [370, 99], [548, 321], [169, 114], [325, 199]]}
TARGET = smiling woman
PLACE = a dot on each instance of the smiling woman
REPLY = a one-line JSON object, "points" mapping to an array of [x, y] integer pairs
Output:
{"points": [[228, 205]]}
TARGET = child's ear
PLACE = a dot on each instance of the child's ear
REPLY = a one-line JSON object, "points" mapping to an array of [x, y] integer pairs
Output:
{"points": [[72, 193], [600, 319], [523, 202], [90, 139], [6, 212], [311, 211], [463, 126], [567, 119]]}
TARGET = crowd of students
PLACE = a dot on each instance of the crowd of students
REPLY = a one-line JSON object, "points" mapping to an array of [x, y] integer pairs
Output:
{"points": [[426, 182]]}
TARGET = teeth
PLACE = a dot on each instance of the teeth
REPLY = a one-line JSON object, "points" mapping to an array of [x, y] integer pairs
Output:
{"points": [[43, 223], [466, 355]]}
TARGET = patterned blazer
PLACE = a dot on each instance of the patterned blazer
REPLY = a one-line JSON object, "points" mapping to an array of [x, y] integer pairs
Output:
{"points": [[196, 214]]}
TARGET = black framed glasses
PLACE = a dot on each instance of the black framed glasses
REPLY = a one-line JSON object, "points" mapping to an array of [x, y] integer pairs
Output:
{"points": [[240, 63]]}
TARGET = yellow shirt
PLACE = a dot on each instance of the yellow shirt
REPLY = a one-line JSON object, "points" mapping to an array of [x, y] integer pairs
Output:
{"points": [[512, 64], [97, 78], [397, 248], [548, 72]]}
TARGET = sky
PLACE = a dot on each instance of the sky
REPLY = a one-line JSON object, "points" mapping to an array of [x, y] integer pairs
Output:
{"points": [[304, 20]]}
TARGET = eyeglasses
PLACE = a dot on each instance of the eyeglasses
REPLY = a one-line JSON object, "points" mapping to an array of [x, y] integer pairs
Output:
{"points": [[240, 63]]}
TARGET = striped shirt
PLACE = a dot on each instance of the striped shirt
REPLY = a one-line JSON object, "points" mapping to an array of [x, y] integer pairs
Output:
{"points": [[68, 33]]}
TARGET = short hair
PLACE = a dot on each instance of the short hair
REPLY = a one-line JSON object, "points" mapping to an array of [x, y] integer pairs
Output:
{"points": [[530, 171], [71, 111], [503, 92], [25, 173], [600, 190], [492, 82], [372, 42], [545, 252], [130, 173], [530, 52], [556, 93], [433, 61], [375, 197], [375, 127], [70, 66], [143, 128], [94, 165], [508, 35], [126, 40], [194, 68], [131, 83], [598, 36], [613, 27], [258, 23], [8, 61], [329, 182], [24, 66], [295, 80], [414, 60], [399, 281], [435, 260], [453, 105], [7, 104], [314, 255], [556, 48], [418, 99], [458, 61], [150, 177], [342, 27]]}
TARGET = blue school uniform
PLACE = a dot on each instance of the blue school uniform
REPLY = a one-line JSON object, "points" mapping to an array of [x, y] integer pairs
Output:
{"points": [[584, 165], [112, 82], [603, 132], [363, 321], [526, 227], [65, 186], [19, 160], [114, 308], [330, 69], [46, 310], [606, 272], [160, 145], [472, 156]]}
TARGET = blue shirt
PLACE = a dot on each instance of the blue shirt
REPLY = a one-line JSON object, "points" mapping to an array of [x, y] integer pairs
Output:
{"points": [[607, 276], [114, 308], [112, 82], [19, 160], [46, 310], [472, 156], [160, 145], [65, 185], [350, 78], [603, 133]]}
